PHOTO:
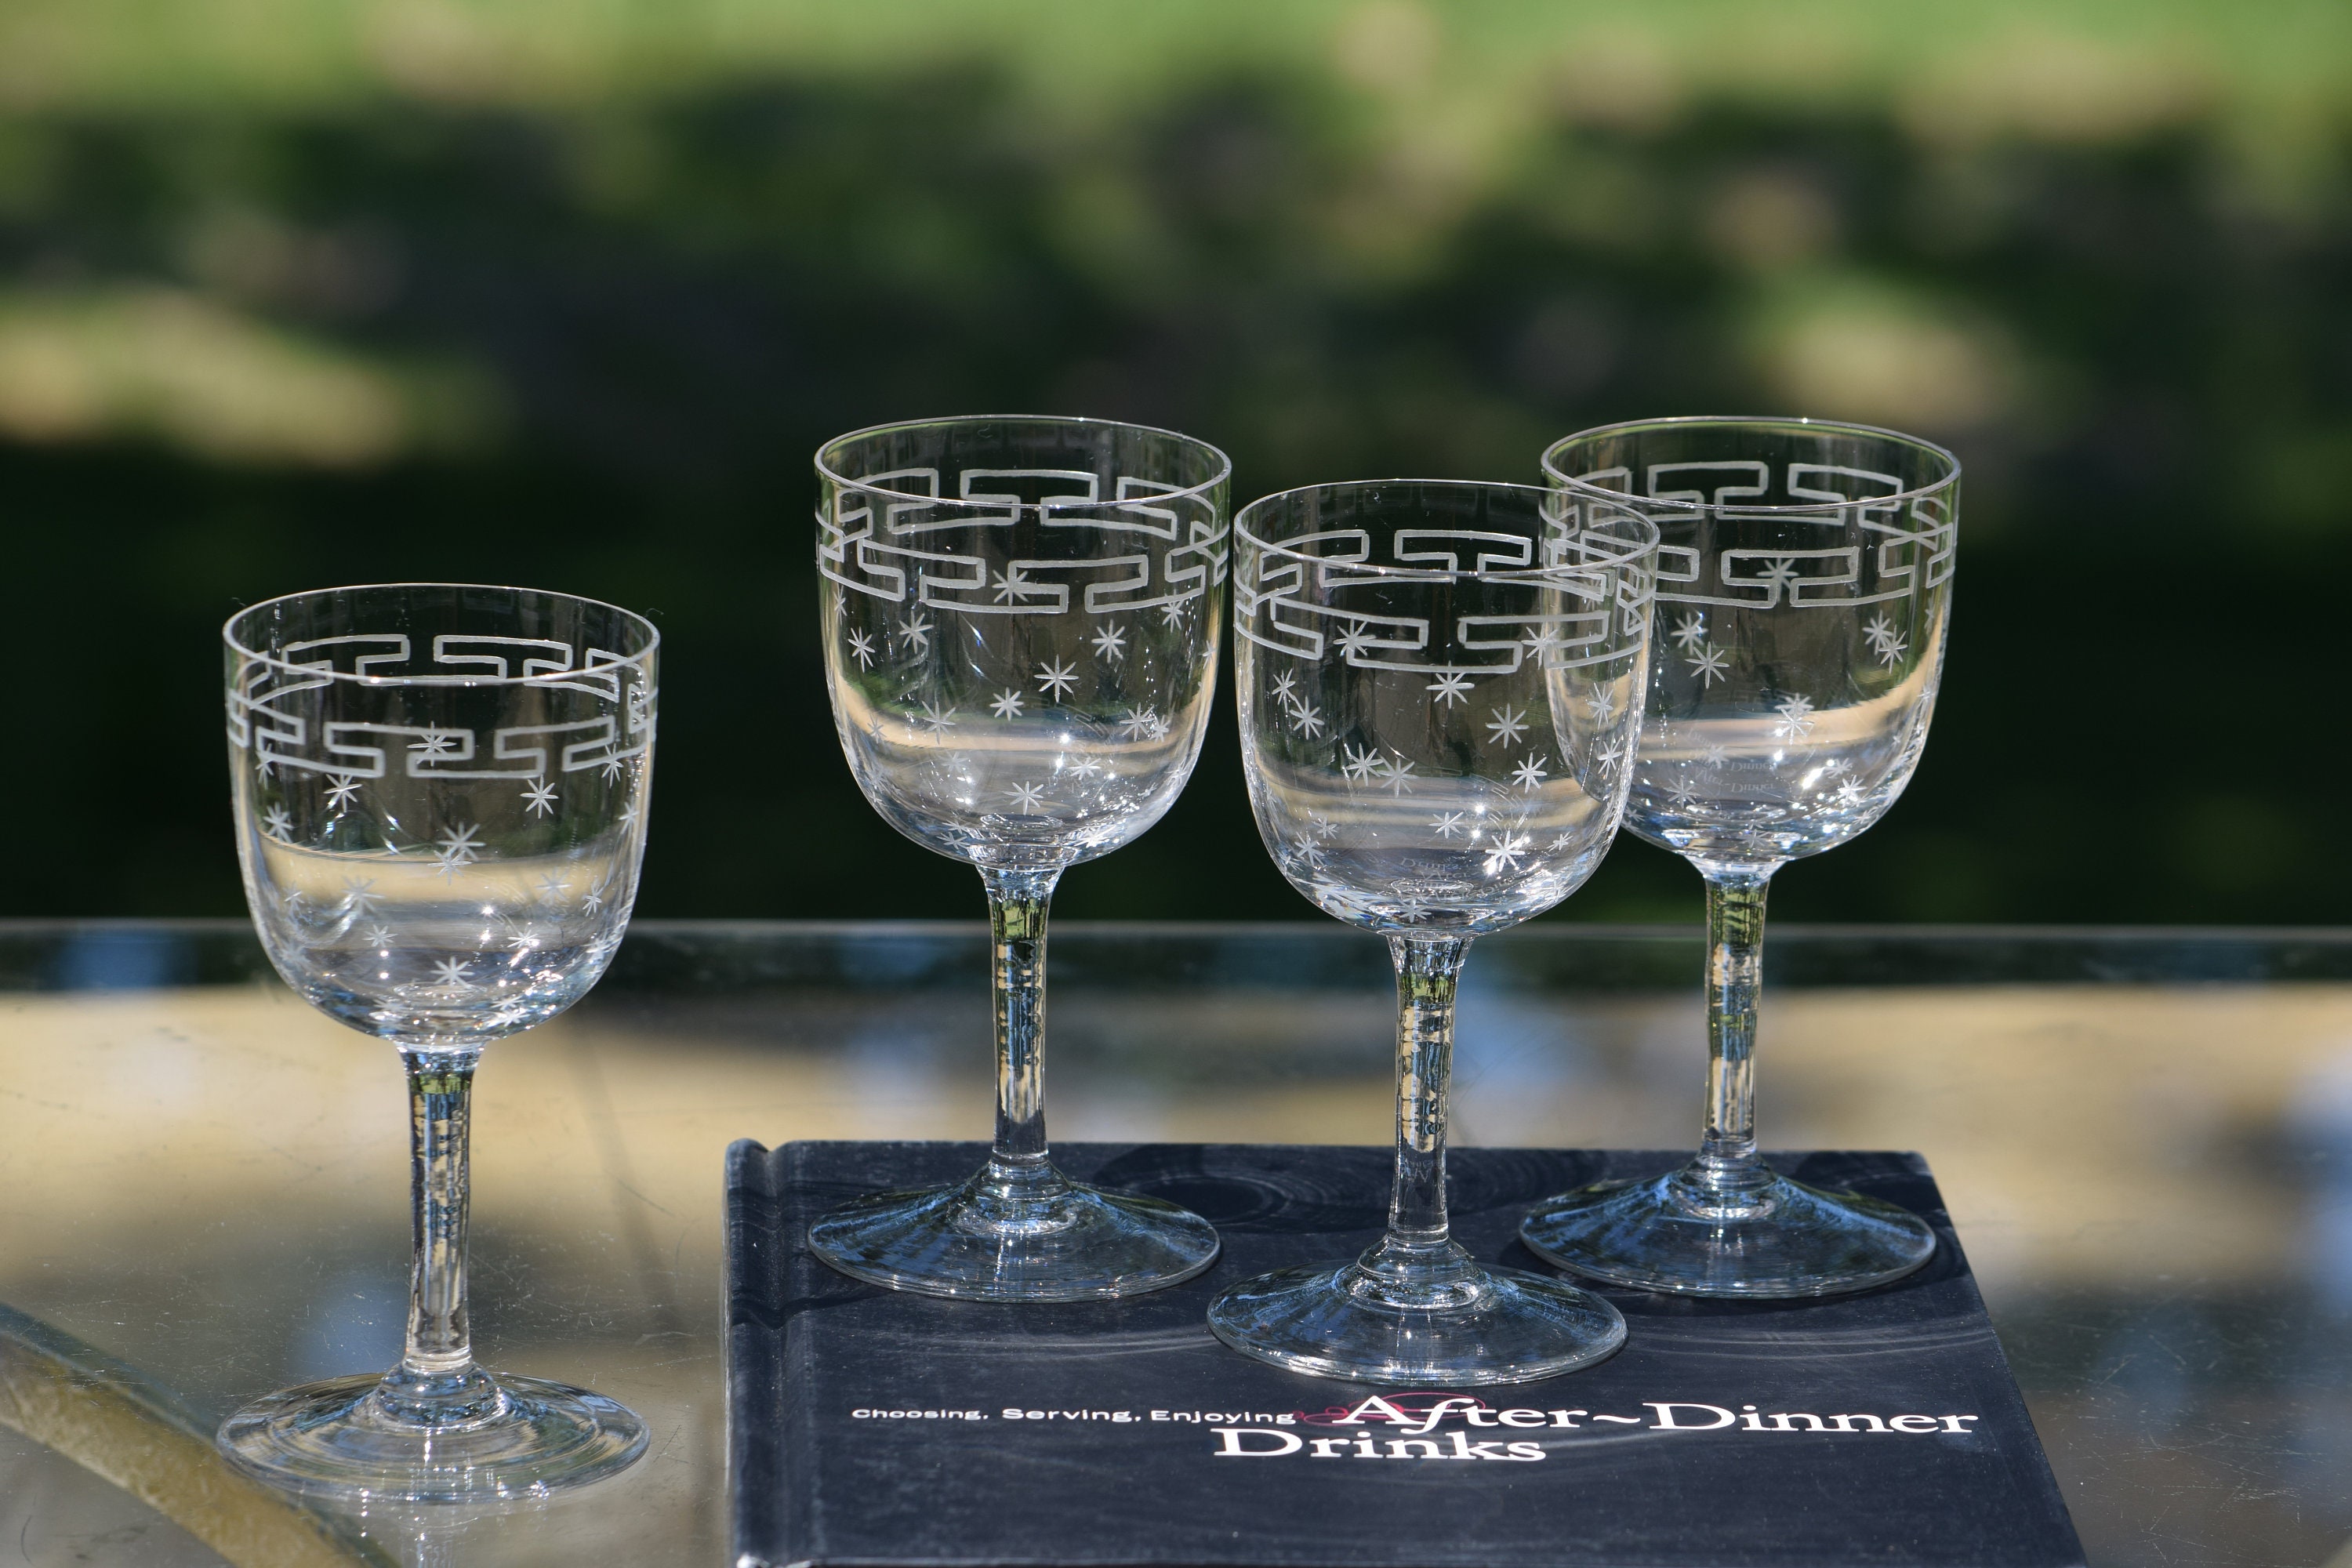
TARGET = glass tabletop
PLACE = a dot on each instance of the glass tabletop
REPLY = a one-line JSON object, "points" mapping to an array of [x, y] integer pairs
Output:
{"points": [[2145, 1137]]}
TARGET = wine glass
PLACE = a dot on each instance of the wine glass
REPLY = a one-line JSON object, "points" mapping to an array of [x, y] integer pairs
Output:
{"points": [[440, 798], [1804, 581], [1020, 618], [1441, 683]]}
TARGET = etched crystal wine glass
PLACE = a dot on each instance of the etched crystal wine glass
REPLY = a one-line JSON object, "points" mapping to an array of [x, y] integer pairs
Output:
{"points": [[440, 797], [1441, 683], [1804, 581], [1020, 618]]}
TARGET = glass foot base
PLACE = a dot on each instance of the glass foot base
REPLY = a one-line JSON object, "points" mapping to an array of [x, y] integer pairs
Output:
{"points": [[1779, 1239], [1016, 1233], [1484, 1326], [336, 1439]]}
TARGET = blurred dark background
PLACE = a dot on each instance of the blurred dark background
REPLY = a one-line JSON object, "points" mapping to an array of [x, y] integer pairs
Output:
{"points": [[295, 292]]}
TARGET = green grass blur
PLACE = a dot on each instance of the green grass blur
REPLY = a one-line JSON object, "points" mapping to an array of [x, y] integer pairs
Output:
{"points": [[294, 292]]}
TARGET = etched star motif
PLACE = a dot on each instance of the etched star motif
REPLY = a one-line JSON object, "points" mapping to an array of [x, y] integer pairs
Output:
{"points": [[1449, 688], [1716, 756], [455, 855], [1691, 631], [1324, 827], [436, 743], [358, 898], [1779, 573], [614, 766], [1009, 585], [552, 887], [1086, 767], [1111, 643], [1601, 705], [276, 823], [1286, 688], [1354, 641], [450, 973], [1358, 765], [937, 718], [1543, 644], [343, 791], [1054, 679], [377, 936], [861, 648], [593, 901], [1850, 794], [1172, 612], [1884, 641], [1027, 797], [1611, 752], [292, 899], [1561, 841], [1710, 664], [1507, 725], [915, 632], [1398, 775], [462, 843], [1682, 798], [1306, 719], [1507, 850], [524, 937], [1141, 723], [1007, 704], [1449, 823], [1310, 854], [1796, 718], [540, 798], [1530, 775], [629, 815]]}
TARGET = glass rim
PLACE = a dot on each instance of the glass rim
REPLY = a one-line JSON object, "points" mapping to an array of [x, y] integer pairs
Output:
{"points": [[276, 661], [827, 471], [1543, 495], [1793, 421]]}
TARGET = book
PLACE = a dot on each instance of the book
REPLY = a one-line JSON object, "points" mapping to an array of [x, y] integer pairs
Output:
{"points": [[875, 1428]]}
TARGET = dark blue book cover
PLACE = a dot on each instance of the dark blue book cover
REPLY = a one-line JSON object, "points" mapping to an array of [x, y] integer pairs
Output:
{"points": [[873, 1428]]}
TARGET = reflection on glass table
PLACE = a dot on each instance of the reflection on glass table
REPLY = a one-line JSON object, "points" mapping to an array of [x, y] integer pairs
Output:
{"points": [[2145, 1139]]}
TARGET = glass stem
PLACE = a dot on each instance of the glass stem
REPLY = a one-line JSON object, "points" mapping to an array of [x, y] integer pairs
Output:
{"points": [[1017, 903], [1727, 1166], [436, 1381], [1417, 1262]]}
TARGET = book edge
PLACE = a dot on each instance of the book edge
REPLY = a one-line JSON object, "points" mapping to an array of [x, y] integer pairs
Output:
{"points": [[753, 1369]]}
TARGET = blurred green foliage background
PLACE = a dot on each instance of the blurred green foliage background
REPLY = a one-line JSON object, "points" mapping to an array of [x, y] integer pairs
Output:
{"points": [[566, 292]]}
